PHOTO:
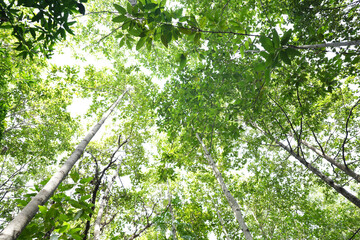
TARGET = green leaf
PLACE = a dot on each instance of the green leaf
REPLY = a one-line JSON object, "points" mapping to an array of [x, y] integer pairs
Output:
{"points": [[83, 198], [185, 31], [66, 187], [86, 180], [182, 61], [266, 43], [242, 51], [276, 39], [286, 37], [197, 38], [285, 58], [164, 40], [42, 209], [128, 43], [78, 214], [267, 75], [292, 52], [120, 18], [64, 228], [141, 43], [129, 7], [122, 42], [150, 6], [260, 66]]}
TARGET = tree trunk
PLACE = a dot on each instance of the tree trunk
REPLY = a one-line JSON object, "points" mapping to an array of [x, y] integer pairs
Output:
{"points": [[230, 198], [325, 178], [173, 228], [103, 204], [13, 230], [331, 160], [313, 169]]}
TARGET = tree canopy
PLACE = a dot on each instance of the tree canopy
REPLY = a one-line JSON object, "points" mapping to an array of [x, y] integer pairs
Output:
{"points": [[219, 120]]}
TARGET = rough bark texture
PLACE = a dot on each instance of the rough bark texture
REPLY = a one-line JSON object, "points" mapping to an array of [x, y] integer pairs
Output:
{"points": [[13, 230], [230, 198], [331, 160]]}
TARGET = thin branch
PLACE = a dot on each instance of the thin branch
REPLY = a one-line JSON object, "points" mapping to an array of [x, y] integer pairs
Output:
{"points": [[287, 117], [352, 237], [107, 35], [347, 132]]}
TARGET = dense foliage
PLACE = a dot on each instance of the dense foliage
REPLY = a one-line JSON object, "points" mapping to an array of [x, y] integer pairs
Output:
{"points": [[238, 120]]}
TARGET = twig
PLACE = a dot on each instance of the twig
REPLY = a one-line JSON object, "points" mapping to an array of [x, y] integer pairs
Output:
{"points": [[347, 132]]}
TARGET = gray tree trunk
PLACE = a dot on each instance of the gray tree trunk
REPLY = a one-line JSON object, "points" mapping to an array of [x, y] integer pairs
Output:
{"points": [[340, 189], [333, 161], [230, 198], [15, 227], [325, 178]]}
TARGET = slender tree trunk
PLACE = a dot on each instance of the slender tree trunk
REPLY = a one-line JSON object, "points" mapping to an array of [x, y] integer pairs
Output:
{"points": [[325, 178], [313, 169], [173, 228], [331, 160], [230, 198], [103, 204], [13, 230]]}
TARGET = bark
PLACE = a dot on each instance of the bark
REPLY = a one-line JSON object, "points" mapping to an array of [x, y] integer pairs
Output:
{"points": [[230, 198], [13, 230], [331, 160], [103, 204], [173, 228], [322, 45], [325, 178]]}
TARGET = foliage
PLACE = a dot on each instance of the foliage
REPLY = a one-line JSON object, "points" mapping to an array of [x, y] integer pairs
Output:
{"points": [[38, 25], [273, 98]]}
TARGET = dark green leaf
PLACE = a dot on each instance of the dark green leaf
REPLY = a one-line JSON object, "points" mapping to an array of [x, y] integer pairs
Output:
{"points": [[284, 56], [120, 9], [140, 43], [164, 40], [266, 43], [81, 8], [120, 18], [276, 39], [185, 31], [286, 37], [182, 61]]}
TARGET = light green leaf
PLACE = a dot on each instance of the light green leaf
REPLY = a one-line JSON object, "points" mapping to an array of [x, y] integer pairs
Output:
{"points": [[86, 180]]}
